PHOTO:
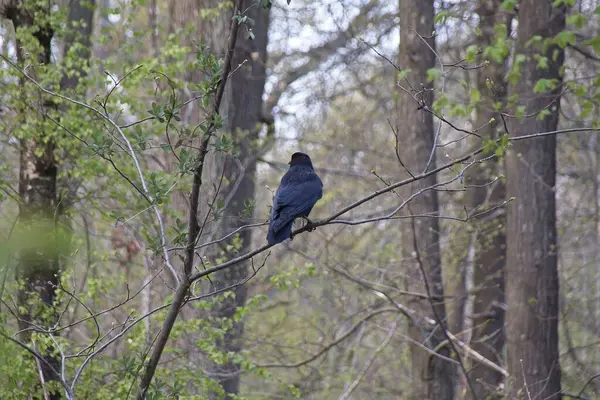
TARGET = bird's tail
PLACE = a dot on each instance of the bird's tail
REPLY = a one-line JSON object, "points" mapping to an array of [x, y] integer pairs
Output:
{"points": [[284, 233]]}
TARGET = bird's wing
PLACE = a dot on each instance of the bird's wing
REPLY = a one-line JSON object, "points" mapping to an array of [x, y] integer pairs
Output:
{"points": [[293, 200]]}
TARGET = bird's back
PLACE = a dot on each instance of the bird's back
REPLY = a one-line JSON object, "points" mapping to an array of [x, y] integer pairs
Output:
{"points": [[298, 192]]}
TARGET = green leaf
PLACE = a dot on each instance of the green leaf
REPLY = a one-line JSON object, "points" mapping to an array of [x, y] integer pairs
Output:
{"points": [[542, 62], [565, 38], [433, 74], [475, 96], [403, 74], [594, 42], [472, 52], [509, 5], [458, 110], [577, 19], [440, 103], [544, 85], [542, 114], [441, 17], [568, 3]]}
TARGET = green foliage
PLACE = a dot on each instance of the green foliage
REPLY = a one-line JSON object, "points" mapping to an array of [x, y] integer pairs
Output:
{"points": [[577, 19], [433, 74], [500, 48], [514, 74], [568, 3], [564, 39], [509, 5], [498, 146], [471, 53], [305, 303], [545, 85]]}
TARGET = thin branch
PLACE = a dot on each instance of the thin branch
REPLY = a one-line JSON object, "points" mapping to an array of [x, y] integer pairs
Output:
{"points": [[434, 309], [38, 365], [368, 364], [131, 153], [148, 314], [42, 359], [193, 227], [329, 346], [587, 383], [332, 218], [443, 74]]}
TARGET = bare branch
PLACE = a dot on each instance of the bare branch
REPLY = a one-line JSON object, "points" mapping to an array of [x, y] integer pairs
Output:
{"points": [[131, 153], [332, 344], [193, 227], [366, 367]]}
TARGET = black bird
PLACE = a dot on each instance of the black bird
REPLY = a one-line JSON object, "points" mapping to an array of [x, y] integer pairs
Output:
{"points": [[299, 190]]}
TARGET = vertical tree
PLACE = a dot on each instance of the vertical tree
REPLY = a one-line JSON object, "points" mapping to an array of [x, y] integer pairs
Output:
{"points": [[432, 376], [77, 41], [531, 273], [488, 238], [38, 170], [244, 119], [38, 263]]}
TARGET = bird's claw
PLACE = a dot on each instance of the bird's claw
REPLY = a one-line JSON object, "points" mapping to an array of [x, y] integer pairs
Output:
{"points": [[309, 225]]}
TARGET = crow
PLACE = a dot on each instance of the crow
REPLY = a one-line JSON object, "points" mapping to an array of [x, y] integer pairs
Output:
{"points": [[299, 190]]}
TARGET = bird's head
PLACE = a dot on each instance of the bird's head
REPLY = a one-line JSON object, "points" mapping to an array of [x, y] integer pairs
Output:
{"points": [[300, 159]]}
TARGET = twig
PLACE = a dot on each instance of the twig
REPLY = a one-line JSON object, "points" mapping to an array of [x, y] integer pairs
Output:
{"points": [[148, 314], [329, 346], [439, 130], [131, 153], [193, 227], [332, 218], [41, 358], [38, 365], [587, 383], [434, 309], [525, 380], [368, 364]]}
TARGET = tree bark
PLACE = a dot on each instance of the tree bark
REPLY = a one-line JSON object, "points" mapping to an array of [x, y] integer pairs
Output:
{"points": [[490, 240], [531, 274], [81, 25], [244, 123], [433, 378], [39, 266]]}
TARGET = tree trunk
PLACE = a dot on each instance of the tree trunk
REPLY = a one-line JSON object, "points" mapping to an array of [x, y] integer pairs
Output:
{"points": [[38, 267], [432, 377], [81, 25], [531, 273], [245, 105], [39, 260], [490, 239]]}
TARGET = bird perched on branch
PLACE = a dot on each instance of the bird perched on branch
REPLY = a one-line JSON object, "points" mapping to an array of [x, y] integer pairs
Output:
{"points": [[299, 190]]}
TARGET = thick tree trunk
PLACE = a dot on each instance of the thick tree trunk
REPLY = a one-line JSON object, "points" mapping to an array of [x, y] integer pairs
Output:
{"points": [[81, 26], [245, 105], [38, 267], [531, 274], [39, 260], [490, 239], [433, 378]]}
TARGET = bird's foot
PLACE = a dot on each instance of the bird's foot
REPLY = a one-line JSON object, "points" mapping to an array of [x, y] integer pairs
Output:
{"points": [[309, 224]]}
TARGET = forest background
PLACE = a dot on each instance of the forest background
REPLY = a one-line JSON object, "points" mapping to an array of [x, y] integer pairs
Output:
{"points": [[457, 249]]}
